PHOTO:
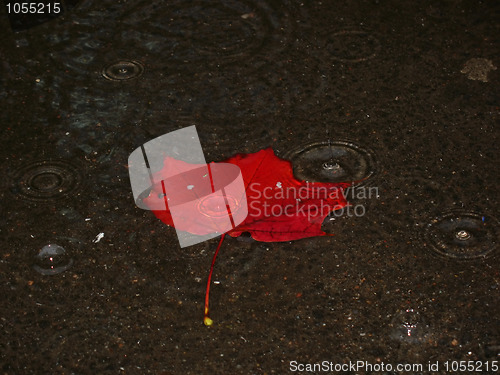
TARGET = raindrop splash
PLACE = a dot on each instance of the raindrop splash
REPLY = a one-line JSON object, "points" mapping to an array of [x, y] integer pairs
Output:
{"points": [[409, 326], [334, 168], [332, 161], [123, 70], [331, 164], [52, 259], [463, 235], [215, 207], [46, 180]]}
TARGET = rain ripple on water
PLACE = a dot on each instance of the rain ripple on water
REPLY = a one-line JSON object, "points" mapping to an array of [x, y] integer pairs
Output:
{"points": [[52, 259]]}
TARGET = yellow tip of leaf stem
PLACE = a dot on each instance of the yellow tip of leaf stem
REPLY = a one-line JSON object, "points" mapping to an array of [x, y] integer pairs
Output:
{"points": [[208, 322]]}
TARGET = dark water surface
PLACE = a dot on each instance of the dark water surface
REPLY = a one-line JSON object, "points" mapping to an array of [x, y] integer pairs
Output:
{"points": [[405, 93]]}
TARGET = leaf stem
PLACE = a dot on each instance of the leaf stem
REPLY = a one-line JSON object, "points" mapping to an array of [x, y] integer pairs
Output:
{"points": [[206, 319]]}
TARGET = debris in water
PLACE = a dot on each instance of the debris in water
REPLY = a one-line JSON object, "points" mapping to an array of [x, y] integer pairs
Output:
{"points": [[477, 69]]}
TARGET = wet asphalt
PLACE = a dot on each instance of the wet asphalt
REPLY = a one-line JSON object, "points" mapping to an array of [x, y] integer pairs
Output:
{"points": [[404, 94]]}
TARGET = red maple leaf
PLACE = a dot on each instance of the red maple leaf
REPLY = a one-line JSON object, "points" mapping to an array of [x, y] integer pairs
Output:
{"points": [[280, 207]]}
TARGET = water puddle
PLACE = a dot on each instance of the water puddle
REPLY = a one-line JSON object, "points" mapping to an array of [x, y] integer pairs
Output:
{"points": [[413, 197], [409, 326], [332, 161], [463, 235], [492, 351], [123, 70], [352, 46], [202, 31], [46, 180], [52, 259]]}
